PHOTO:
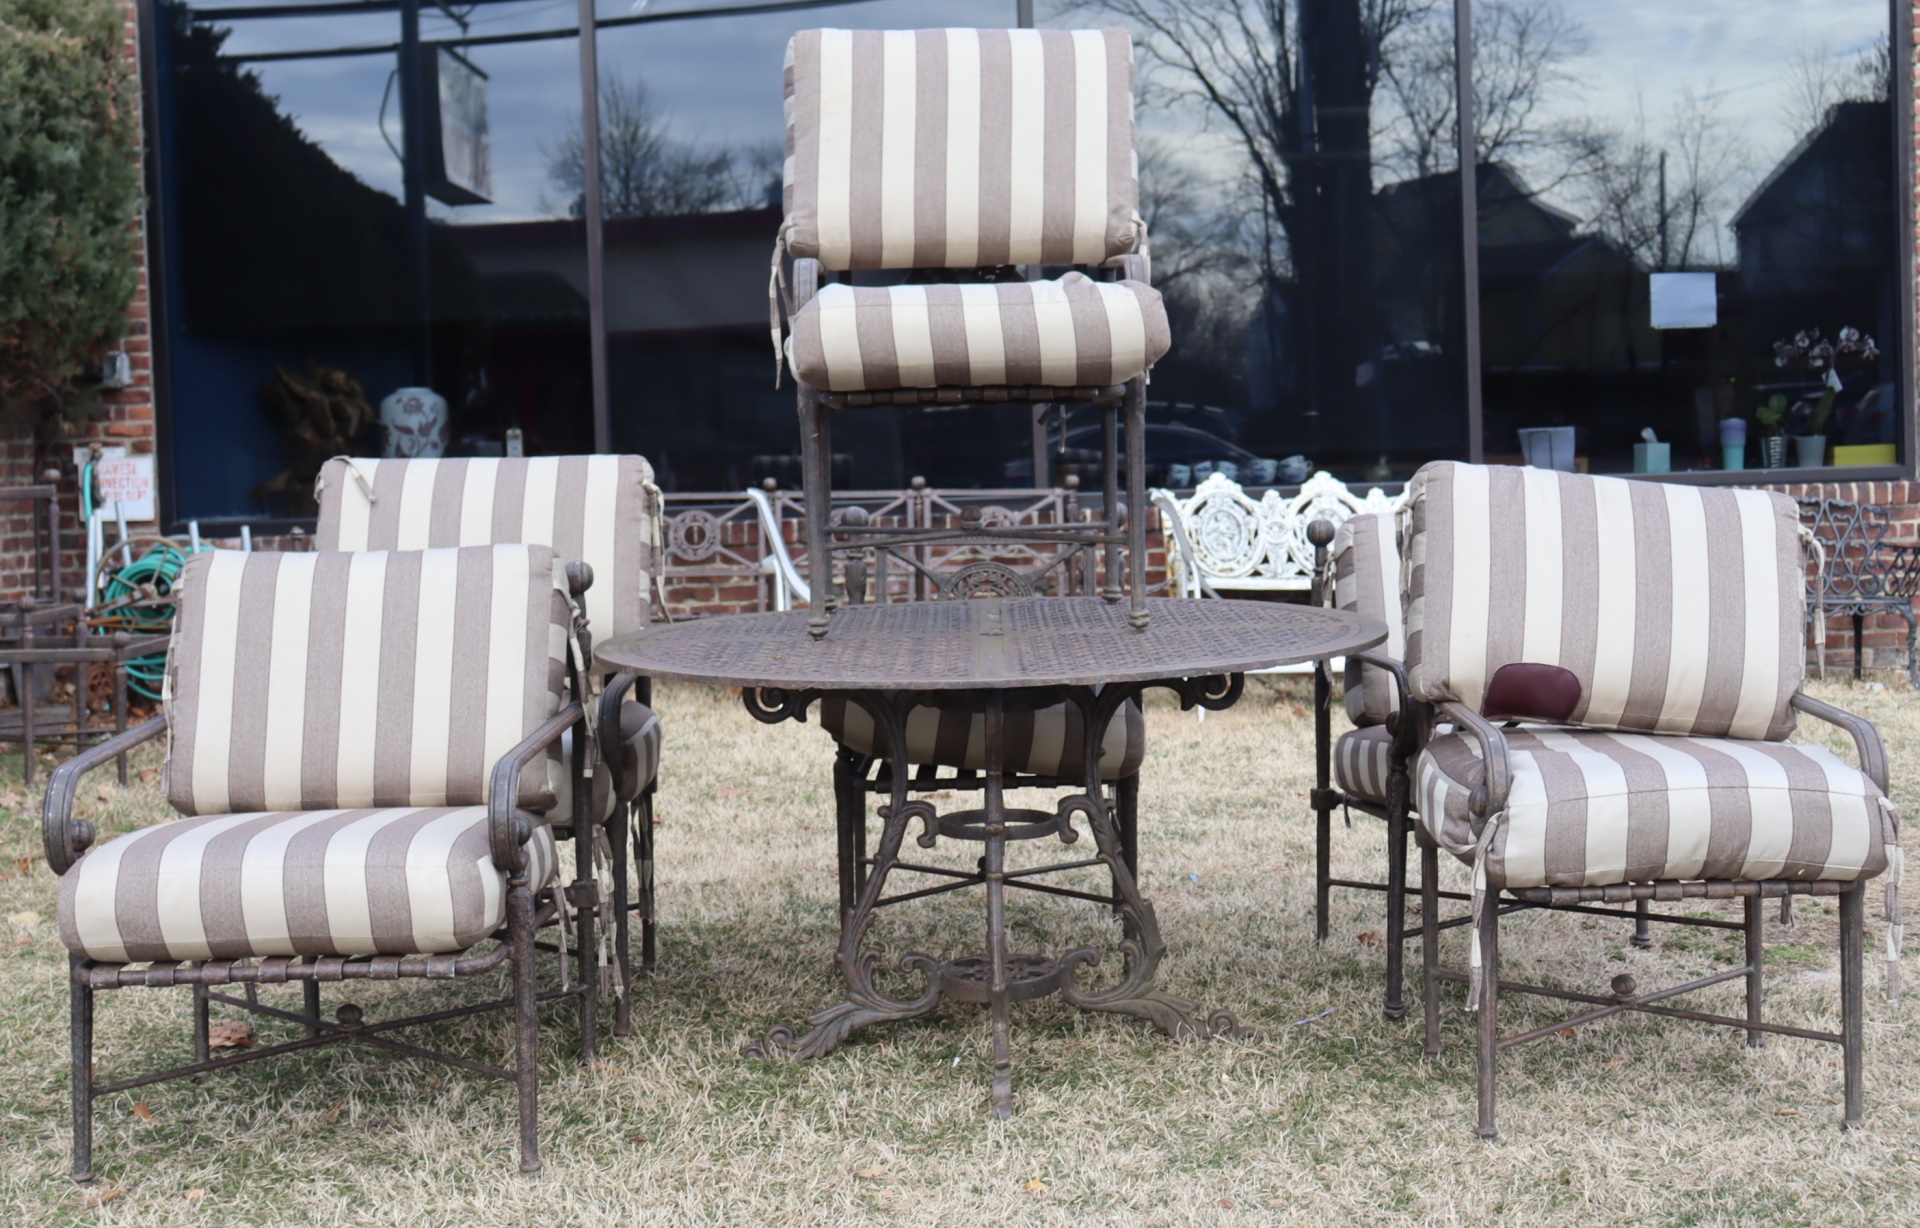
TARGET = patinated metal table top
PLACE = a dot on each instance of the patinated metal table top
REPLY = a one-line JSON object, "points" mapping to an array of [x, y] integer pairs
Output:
{"points": [[991, 643]]}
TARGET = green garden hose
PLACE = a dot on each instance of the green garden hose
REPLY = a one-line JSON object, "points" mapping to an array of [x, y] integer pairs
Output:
{"points": [[135, 596]]}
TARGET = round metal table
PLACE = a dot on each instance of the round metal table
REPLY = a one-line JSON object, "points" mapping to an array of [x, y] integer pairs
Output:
{"points": [[994, 655]]}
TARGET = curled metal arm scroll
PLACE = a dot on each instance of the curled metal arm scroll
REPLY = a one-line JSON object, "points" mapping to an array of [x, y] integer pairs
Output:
{"points": [[1866, 738], [1491, 797], [771, 704], [1215, 692], [507, 828], [64, 837]]}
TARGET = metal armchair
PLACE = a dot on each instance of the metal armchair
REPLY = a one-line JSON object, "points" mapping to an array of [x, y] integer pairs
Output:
{"points": [[342, 822], [931, 180], [1649, 639]]}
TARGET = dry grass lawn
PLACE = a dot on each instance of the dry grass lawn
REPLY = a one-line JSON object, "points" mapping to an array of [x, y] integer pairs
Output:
{"points": [[1341, 1119]]}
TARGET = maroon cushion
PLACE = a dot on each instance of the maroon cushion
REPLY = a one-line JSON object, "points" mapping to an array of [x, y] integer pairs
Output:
{"points": [[1527, 692]]}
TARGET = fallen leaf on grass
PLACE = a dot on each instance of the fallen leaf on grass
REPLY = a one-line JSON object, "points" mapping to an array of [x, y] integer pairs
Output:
{"points": [[638, 1140], [729, 791], [1786, 1112], [230, 1034], [104, 794], [1226, 1204], [1612, 1063], [143, 1111], [26, 865], [868, 1174], [1568, 1033], [25, 918], [1036, 1185], [195, 1195], [95, 1200], [333, 1114], [1368, 938]]}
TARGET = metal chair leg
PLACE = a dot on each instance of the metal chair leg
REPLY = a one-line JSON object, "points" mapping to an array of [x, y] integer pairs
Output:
{"points": [[1430, 942], [1488, 1030], [1852, 998], [1642, 935], [81, 1072], [617, 843], [1136, 412], [310, 1005], [1396, 1006], [817, 479], [202, 1025], [1756, 959], [849, 803], [643, 852], [526, 1021]]}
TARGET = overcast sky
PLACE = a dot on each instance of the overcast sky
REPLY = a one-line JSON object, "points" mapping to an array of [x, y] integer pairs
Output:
{"points": [[719, 78]]}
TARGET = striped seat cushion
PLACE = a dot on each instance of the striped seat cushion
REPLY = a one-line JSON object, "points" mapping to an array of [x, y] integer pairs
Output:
{"points": [[1679, 609], [1073, 332], [601, 510], [924, 149], [316, 681], [1589, 808], [1361, 760], [414, 880], [1366, 579], [1043, 742]]}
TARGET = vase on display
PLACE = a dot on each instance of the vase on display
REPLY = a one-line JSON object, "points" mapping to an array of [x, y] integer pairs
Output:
{"points": [[413, 424], [1773, 451], [1809, 451]]}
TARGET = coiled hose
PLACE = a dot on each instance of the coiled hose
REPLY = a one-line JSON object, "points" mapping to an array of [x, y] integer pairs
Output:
{"points": [[135, 596]]}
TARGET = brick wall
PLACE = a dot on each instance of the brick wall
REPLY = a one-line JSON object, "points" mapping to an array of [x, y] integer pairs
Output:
{"points": [[125, 418]]}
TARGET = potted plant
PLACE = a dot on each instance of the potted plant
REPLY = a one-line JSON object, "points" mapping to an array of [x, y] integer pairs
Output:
{"points": [[1773, 444], [1822, 358]]}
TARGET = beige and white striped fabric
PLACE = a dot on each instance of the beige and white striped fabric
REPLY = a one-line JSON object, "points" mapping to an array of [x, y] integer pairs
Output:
{"points": [[636, 762], [1045, 742], [925, 149], [1366, 580], [1679, 608], [601, 510], [1591, 808], [320, 882], [1362, 760], [327, 680], [1073, 332]]}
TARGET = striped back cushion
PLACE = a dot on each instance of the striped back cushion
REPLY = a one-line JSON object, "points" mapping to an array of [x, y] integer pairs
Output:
{"points": [[928, 149], [1366, 579], [1678, 608], [324, 681], [601, 510]]}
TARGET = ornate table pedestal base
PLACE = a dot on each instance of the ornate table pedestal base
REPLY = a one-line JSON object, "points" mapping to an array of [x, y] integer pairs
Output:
{"points": [[1000, 977]]}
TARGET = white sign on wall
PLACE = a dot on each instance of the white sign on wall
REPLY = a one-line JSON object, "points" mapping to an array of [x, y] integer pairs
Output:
{"points": [[126, 480]]}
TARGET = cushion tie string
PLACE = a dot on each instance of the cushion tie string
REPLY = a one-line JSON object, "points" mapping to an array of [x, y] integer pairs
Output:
{"points": [[1896, 870], [776, 285]]}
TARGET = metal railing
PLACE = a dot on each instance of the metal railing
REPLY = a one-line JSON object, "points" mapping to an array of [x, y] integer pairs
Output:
{"points": [[724, 541]]}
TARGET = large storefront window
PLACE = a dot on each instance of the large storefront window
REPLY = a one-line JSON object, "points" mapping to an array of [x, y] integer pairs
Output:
{"points": [[307, 274], [1668, 192], [1664, 200]]}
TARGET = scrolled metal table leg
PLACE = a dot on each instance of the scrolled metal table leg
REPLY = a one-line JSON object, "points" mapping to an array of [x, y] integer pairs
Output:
{"points": [[866, 1003]]}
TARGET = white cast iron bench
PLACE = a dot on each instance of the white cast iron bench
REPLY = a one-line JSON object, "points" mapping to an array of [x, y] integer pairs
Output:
{"points": [[1220, 541]]}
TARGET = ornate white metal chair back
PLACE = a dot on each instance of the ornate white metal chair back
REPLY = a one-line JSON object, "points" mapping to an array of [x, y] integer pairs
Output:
{"points": [[1224, 527]]}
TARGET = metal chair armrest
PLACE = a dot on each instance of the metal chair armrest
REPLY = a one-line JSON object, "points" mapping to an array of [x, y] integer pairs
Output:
{"points": [[806, 280], [1866, 738], [507, 828], [1401, 723], [1171, 523], [1491, 797], [63, 837], [1131, 266]]}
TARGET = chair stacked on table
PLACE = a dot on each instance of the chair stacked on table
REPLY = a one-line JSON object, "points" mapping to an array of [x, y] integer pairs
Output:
{"points": [[366, 752], [1608, 673], [1019, 261]]}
